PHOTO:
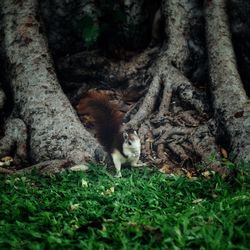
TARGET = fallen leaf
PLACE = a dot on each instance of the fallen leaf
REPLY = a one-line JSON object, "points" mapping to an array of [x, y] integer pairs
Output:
{"points": [[166, 169], [84, 183], [80, 167], [197, 201], [6, 161], [7, 158], [224, 153], [206, 174], [108, 191], [74, 206], [189, 175]]}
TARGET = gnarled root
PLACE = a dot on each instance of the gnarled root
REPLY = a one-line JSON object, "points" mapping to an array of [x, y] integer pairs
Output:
{"points": [[14, 142]]}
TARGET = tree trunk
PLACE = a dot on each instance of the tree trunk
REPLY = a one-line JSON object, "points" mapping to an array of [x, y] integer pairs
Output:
{"points": [[54, 129], [231, 104]]}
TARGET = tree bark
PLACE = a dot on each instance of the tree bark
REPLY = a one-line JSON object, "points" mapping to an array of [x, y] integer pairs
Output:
{"points": [[54, 129], [231, 104], [180, 130]]}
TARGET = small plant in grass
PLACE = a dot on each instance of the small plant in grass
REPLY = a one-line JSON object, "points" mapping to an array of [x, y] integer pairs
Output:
{"points": [[143, 210]]}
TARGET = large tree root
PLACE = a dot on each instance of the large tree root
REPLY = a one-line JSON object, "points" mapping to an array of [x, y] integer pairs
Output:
{"points": [[6, 171], [14, 142], [175, 113], [47, 167], [55, 131], [232, 107], [173, 140], [148, 103]]}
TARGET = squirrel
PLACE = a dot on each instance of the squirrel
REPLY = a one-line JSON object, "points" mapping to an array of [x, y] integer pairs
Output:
{"points": [[124, 146]]}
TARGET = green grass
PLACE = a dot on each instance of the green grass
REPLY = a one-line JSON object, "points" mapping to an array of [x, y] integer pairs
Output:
{"points": [[147, 210]]}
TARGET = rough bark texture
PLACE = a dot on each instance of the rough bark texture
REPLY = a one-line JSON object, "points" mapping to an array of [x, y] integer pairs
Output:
{"points": [[15, 140], [177, 28], [55, 131], [232, 106], [181, 115]]}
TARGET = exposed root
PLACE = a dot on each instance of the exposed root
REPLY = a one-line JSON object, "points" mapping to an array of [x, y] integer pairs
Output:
{"points": [[185, 91], [15, 141], [148, 103], [165, 102], [47, 167], [6, 171], [180, 112], [204, 140], [146, 137], [161, 153]]}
